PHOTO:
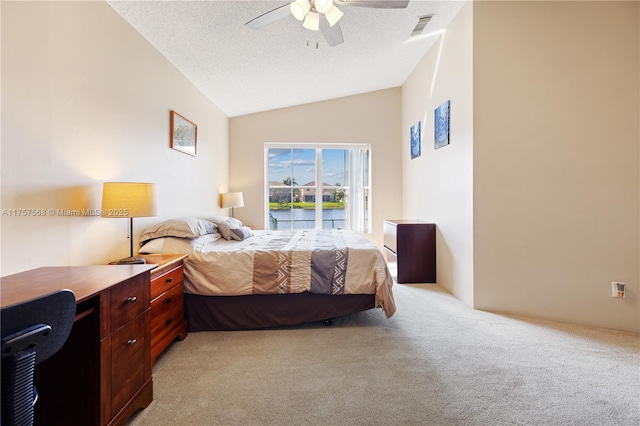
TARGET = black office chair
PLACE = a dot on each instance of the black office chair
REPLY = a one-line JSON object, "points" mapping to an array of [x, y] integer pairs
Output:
{"points": [[32, 331]]}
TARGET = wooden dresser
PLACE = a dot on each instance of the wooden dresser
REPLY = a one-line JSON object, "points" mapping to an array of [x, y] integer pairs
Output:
{"points": [[410, 248], [102, 374], [167, 301]]}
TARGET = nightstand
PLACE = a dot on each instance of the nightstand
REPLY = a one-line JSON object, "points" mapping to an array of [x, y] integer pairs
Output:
{"points": [[410, 246], [167, 301]]}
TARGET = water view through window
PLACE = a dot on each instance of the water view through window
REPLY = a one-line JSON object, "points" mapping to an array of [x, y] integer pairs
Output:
{"points": [[303, 219], [313, 187]]}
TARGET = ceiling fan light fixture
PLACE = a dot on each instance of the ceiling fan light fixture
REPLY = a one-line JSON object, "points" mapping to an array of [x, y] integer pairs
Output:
{"points": [[312, 21], [333, 15], [299, 8], [323, 6]]}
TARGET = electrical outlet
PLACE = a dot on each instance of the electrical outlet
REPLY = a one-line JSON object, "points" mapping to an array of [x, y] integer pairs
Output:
{"points": [[617, 289]]}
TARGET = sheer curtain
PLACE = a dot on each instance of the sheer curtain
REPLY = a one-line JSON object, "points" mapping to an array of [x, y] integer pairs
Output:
{"points": [[358, 180]]}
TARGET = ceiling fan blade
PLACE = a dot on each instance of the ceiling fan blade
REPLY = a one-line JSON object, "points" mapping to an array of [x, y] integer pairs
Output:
{"points": [[333, 35], [270, 17], [378, 4]]}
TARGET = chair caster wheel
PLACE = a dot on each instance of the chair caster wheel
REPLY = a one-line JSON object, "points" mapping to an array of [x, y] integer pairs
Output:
{"points": [[329, 322]]}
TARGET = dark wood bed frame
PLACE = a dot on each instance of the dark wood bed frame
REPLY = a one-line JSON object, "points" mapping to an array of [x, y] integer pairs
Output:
{"points": [[269, 310]]}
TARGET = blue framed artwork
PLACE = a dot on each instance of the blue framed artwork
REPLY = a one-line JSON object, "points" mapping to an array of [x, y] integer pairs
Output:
{"points": [[441, 124], [416, 145]]}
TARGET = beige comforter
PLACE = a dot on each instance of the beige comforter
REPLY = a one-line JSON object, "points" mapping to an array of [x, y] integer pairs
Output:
{"points": [[276, 262]]}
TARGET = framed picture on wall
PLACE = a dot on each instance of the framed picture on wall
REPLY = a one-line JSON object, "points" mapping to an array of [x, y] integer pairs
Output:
{"points": [[416, 143], [441, 125], [184, 134]]}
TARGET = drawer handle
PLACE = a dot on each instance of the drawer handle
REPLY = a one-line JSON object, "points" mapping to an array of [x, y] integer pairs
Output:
{"points": [[131, 342], [131, 299], [168, 300], [169, 279], [169, 321]]}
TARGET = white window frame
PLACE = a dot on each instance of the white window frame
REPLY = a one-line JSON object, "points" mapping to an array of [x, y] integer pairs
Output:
{"points": [[318, 147]]}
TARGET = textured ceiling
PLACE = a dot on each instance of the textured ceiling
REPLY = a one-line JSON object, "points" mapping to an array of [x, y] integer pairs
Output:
{"points": [[244, 70]]}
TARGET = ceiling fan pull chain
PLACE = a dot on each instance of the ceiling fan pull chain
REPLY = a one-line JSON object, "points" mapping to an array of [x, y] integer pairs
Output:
{"points": [[312, 40]]}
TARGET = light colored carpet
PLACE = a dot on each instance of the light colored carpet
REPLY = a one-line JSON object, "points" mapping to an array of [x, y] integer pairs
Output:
{"points": [[436, 362]]}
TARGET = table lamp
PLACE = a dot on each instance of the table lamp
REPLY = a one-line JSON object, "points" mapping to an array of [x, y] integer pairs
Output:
{"points": [[128, 200], [232, 200]]}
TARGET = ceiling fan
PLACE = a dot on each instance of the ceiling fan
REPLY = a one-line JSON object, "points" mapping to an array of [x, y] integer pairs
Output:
{"points": [[322, 15]]}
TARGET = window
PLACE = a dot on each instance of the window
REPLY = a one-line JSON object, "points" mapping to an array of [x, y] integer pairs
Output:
{"points": [[314, 186]]}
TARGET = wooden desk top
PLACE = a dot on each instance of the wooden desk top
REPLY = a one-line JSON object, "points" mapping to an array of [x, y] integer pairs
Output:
{"points": [[84, 281]]}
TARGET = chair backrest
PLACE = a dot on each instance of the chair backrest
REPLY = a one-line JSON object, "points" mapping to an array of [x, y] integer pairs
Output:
{"points": [[32, 331]]}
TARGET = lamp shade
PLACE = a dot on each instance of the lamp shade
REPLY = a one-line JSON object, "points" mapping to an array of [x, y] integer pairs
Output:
{"points": [[333, 15], [312, 21], [299, 8], [128, 199], [323, 6], [232, 200]]}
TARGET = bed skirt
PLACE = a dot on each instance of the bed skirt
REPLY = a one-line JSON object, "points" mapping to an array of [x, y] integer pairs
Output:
{"points": [[269, 310]]}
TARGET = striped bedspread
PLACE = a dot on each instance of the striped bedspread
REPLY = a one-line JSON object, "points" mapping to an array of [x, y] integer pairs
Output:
{"points": [[330, 261]]}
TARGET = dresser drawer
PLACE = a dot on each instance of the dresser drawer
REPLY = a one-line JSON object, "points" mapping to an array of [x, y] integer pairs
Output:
{"points": [[128, 356], [172, 300], [166, 314], [165, 281], [390, 236], [391, 258], [128, 300]]}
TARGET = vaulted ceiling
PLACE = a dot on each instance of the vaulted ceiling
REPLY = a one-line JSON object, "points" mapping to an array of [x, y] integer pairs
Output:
{"points": [[244, 70]]}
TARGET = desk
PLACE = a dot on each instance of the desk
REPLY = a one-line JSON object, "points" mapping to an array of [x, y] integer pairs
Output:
{"points": [[102, 374]]}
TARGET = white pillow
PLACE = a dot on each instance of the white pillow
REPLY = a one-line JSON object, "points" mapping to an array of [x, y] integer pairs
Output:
{"points": [[153, 247], [184, 227]]}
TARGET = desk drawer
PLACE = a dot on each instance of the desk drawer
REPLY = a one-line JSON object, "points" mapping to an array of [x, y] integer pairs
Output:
{"points": [[128, 356], [166, 281], [128, 300]]}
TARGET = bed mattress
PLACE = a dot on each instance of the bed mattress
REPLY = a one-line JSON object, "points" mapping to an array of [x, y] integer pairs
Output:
{"points": [[326, 261]]}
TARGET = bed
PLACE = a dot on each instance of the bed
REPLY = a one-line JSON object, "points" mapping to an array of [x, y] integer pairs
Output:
{"points": [[237, 278]]}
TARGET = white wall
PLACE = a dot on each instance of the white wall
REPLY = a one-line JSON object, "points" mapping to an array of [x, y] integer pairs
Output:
{"points": [[556, 159], [85, 99], [438, 185], [372, 118], [537, 199]]}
